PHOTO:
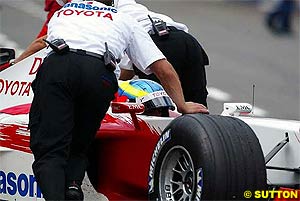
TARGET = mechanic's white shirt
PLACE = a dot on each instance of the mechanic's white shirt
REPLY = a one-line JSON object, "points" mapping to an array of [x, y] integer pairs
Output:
{"points": [[140, 13], [88, 24]]}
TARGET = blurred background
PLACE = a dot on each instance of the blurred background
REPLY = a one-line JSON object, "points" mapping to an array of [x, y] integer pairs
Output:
{"points": [[243, 50]]}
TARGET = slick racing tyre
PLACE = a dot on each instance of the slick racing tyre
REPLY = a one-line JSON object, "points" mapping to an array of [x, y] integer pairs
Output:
{"points": [[206, 157]]}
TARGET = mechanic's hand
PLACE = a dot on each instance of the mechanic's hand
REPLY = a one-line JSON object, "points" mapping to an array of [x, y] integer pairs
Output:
{"points": [[191, 107]]}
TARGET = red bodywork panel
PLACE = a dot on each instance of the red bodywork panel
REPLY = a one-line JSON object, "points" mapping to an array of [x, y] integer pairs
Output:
{"points": [[15, 137], [122, 153], [4, 66]]}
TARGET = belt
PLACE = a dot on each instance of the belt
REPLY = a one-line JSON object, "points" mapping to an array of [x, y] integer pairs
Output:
{"points": [[172, 28], [82, 52], [110, 65]]}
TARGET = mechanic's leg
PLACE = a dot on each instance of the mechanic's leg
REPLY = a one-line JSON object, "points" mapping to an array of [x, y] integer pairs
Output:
{"points": [[194, 84], [51, 123], [87, 122], [194, 76], [187, 57], [96, 93]]}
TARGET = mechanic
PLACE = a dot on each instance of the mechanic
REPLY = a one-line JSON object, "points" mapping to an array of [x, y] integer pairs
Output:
{"points": [[181, 49], [75, 84], [188, 62]]}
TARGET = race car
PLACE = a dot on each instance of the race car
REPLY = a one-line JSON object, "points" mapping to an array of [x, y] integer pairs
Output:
{"points": [[146, 151]]}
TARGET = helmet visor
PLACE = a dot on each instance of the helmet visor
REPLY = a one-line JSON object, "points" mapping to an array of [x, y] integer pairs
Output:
{"points": [[159, 102]]}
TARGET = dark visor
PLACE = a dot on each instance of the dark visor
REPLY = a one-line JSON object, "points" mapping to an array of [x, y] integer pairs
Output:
{"points": [[159, 102]]}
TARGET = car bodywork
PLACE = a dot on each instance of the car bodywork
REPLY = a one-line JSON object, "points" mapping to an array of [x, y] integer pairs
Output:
{"points": [[123, 151]]}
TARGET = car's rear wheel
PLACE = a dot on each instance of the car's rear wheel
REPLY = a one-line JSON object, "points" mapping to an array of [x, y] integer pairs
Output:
{"points": [[206, 157]]}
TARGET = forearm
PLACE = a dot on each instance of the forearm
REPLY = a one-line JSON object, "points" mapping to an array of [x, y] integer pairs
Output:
{"points": [[170, 81], [34, 47]]}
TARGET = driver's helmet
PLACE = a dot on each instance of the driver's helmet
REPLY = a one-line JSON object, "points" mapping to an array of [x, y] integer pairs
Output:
{"points": [[149, 93]]}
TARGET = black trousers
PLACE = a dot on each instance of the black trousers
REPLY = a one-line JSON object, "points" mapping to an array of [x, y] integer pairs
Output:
{"points": [[188, 58], [72, 93]]}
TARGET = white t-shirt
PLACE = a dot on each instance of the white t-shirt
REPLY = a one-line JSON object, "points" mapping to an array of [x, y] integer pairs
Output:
{"points": [[88, 24], [140, 13]]}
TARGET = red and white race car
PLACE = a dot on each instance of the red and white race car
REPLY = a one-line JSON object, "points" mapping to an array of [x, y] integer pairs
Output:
{"points": [[232, 156]]}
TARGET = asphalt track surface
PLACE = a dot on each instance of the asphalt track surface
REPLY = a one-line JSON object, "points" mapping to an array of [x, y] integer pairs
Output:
{"points": [[242, 52]]}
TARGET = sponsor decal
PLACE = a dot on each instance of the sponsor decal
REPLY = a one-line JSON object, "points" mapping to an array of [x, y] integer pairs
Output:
{"points": [[22, 184], [35, 66], [199, 181], [163, 139], [135, 107], [69, 12], [168, 192], [89, 7], [151, 96], [83, 9], [245, 108], [14, 88], [19, 87]]}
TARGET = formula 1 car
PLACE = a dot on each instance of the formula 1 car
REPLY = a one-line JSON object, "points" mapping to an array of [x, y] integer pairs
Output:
{"points": [[138, 157]]}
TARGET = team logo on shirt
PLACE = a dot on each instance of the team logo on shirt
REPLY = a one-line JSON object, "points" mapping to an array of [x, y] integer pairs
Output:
{"points": [[86, 10], [89, 7]]}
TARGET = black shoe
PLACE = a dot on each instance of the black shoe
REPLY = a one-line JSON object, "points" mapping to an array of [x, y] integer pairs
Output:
{"points": [[74, 192]]}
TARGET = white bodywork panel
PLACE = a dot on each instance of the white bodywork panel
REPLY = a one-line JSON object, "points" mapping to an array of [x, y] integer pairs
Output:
{"points": [[272, 131], [17, 179]]}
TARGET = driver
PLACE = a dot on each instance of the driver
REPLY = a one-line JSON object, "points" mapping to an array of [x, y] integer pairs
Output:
{"points": [[149, 93]]}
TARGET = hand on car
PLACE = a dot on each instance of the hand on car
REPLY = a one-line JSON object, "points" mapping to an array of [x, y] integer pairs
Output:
{"points": [[191, 107]]}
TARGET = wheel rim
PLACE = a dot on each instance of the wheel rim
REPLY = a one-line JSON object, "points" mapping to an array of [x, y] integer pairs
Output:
{"points": [[177, 175]]}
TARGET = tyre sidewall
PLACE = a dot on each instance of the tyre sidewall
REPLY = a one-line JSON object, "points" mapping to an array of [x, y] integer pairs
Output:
{"points": [[174, 136]]}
